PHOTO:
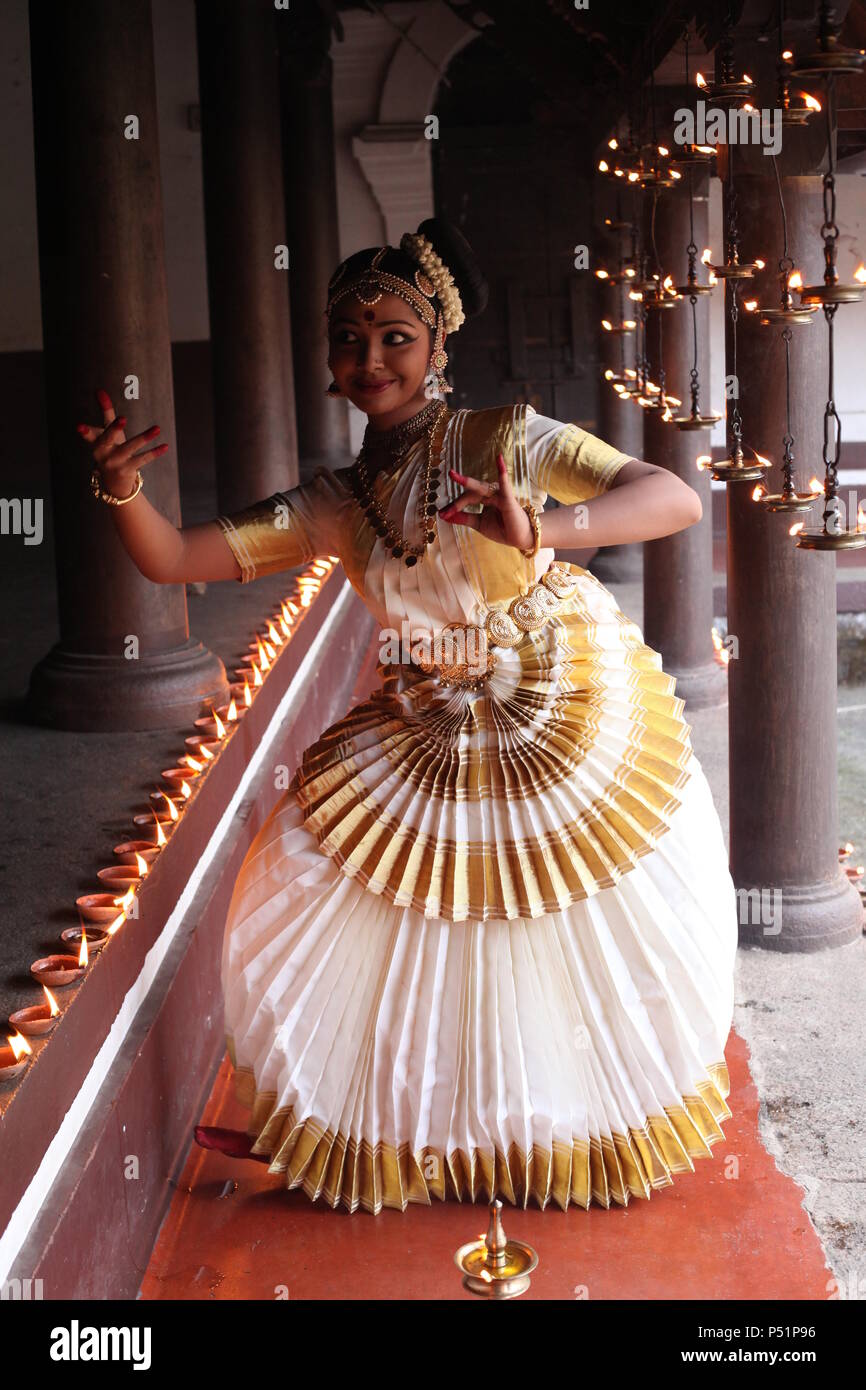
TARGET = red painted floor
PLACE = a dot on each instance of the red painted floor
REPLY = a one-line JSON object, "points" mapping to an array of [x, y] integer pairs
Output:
{"points": [[734, 1228]]}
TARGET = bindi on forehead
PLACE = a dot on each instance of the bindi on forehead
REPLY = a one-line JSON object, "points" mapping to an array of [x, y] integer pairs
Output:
{"points": [[369, 316]]}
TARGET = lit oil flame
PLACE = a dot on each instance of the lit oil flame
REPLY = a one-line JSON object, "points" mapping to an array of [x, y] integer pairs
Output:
{"points": [[54, 1007], [613, 144], [273, 636], [815, 485], [628, 323], [602, 275], [673, 400], [160, 833], [795, 280], [846, 849], [667, 414], [860, 273], [631, 372], [712, 278], [812, 102], [723, 653], [20, 1046], [186, 790], [205, 752], [248, 699], [760, 264], [630, 272], [232, 711], [751, 305], [272, 656], [669, 284], [706, 149], [703, 461], [633, 176], [287, 631], [141, 864], [635, 295], [705, 257], [746, 77], [192, 762], [82, 954], [607, 325], [747, 106], [675, 174], [603, 166], [663, 149], [787, 55], [758, 492], [798, 526], [700, 79], [619, 173], [257, 675], [172, 809], [861, 517], [220, 726], [608, 374], [768, 463]]}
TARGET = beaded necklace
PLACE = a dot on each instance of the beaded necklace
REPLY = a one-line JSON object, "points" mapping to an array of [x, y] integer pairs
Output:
{"points": [[430, 421]]}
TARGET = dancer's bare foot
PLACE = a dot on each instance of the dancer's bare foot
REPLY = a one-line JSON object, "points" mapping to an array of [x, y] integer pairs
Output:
{"points": [[232, 1142]]}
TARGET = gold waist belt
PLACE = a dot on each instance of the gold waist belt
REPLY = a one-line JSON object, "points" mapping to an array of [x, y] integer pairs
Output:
{"points": [[462, 654]]}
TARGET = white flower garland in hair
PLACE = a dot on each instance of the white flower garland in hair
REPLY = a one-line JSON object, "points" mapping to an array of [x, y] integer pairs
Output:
{"points": [[432, 265]]}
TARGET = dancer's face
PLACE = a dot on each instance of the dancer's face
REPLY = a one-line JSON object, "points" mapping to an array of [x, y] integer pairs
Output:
{"points": [[379, 355]]}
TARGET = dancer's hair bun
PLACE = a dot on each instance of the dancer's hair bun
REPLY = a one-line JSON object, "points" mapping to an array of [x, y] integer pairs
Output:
{"points": [[451, 245]]}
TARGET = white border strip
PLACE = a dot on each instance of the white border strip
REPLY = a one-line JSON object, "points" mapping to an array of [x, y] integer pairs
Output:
{"points": [[849, 476], [30, 1205]]}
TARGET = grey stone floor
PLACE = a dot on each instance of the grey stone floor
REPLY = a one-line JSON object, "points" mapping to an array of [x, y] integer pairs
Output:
{"points": [[802, 1016]]}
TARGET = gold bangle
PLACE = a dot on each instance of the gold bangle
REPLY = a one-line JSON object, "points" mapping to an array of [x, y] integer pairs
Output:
{"points": [[536, 531], [99, 492]]}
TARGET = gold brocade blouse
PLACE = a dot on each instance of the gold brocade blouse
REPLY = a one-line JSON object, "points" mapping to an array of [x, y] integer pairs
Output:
{"points": [[321, 517]]}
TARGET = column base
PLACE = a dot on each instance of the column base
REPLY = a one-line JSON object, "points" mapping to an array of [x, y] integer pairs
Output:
{"points": [[618, 564], [105, 694], [801, 917], [702, 687]]}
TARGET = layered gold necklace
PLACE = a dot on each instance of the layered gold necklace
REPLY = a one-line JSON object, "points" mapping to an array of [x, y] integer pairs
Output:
{"points": [[431, 421]]}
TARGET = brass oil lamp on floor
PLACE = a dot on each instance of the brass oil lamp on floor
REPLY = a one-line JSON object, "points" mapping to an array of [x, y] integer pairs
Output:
{"points": [[493, 1266]]}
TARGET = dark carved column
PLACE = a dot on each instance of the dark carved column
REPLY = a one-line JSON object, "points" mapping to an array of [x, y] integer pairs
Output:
{"points": [[105, 324], [781, 599], [311, 217], [254, 405], [678, 569]]}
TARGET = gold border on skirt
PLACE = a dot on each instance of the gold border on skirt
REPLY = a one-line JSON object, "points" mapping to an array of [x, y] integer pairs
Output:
{"points": [[367, 1177]]}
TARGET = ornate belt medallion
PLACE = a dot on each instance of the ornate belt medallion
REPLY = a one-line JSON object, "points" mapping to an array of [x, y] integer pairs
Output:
{"points": [[461, 654]]}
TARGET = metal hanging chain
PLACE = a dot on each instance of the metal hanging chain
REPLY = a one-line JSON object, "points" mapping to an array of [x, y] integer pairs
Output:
{"points": [[692, 253], [829, 229], [736, 422], [786, 265], [661, 361], [830, 232]]}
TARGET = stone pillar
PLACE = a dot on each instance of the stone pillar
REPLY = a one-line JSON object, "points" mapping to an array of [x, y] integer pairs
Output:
{"points": [[620, 423], [678, 569], [105, 324], [311, 218], [254, 406], [782, 600]]}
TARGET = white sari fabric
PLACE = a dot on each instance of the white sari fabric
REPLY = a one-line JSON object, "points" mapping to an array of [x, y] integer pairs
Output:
{"points": [[484, 944]]}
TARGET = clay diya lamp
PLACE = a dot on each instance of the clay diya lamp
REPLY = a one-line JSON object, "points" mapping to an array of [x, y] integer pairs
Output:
{"points": [[145, 823], [176, 777], [130, 850], [200, 746], [251, 675], [845, 851], [57, 970], [855, 872], [37, 1019], [98, 907], [243, 694], [14, 1057], [72, 937], [162, 802], [121, 877]]}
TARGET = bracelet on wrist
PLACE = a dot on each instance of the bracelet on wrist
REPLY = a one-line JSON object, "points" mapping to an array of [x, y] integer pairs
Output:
{"points": [[536, 531], [103, 496]]}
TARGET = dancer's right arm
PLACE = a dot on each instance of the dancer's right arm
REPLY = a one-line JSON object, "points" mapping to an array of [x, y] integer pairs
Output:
{"points": [[162, 552]]}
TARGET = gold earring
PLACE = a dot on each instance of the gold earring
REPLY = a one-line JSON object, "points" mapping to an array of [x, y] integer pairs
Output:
{"points": [[439, 358]]}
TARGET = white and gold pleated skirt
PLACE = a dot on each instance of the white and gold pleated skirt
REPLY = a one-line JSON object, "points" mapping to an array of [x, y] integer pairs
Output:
{"points": [[484, 945]]}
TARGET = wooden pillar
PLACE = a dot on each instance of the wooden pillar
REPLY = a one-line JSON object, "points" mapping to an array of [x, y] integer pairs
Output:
{"points": [[678, 569], [125, 659], [254, 405], [311, 218], [782, 600]]}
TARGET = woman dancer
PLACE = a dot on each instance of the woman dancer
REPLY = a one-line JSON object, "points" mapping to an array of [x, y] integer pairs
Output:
{"points": [[484, 944]]}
